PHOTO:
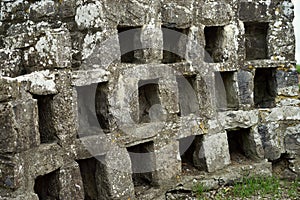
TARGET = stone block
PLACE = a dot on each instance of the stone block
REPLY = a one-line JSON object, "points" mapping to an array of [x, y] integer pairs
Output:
{"points": [[135, 12], [272, 139], [11, 63], [89, 15], [178, 14], [99, 43], [14, 10], [214, 13], [39, 83], [9, 89], [238, 119], [19, 128], [12, 172], [281, 40], [116, 179], [254, 11], [152, 46], [287, 83], [281, 114], [246, 86], [43, 9], [213, 153], [47, 158], [70, 182], [67, 8], [168, 164], [26, 196], [53, 50], [62, 105]]}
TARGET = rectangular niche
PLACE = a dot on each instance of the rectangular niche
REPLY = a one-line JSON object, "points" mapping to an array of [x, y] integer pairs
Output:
{"points": [[47, 186], [256, 40], [148, 101], [46, 118], [92, 109], [189, 149], [129, 40], [143, 164], [226, 91], [187, 93], [239, 143], [265, 88], [213, 44], [88, 174], [174, 43]]}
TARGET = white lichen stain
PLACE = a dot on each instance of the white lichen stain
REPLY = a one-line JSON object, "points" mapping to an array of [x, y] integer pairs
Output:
{"points": [[40, 81], [89, 15], [42, 46], [89, 44], [287, 8], [42, 6]]}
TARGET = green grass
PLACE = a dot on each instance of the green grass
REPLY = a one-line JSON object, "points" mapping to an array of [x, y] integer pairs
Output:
{"points": [[256, 186], [293, 192], [269, 187], [200, 189]]}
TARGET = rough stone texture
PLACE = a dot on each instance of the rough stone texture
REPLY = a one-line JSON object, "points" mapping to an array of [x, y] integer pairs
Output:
{"points": [[213, 153], [138, 99]]}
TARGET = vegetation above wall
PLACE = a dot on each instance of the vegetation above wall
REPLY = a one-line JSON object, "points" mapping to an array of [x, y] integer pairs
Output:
{"points": [[298, 68]]}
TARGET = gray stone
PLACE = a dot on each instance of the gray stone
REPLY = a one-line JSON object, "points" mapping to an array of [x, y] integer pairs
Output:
{"points": [[213, 152], [71, 182], [287, 83], [99, 99], [10, 62], [8, 89], [50, 51], [19, 129], [245, 83]]}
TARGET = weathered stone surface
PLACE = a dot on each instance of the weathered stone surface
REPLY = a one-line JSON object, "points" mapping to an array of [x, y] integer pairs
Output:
{"points": [[12, 173], [115, 180], [167, 163], [96, 44], [50, 51], [178, 14], [90, 15], [281, 114], [213, 152], [291, 142], [41, 83], [44, 8], [245, 83], [255, 10], [81, 78], [283, 48], [14, 10], [26, 34], [47, 159], [94, 92], [71, 183], [11, 63], [8, 89], [281, 38], [214, 13], [287, 83], [63, 116], [238, 119], [19, 129]]}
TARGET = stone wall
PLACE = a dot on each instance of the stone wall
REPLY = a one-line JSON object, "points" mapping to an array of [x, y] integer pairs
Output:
{"points": [[134, 99]]}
